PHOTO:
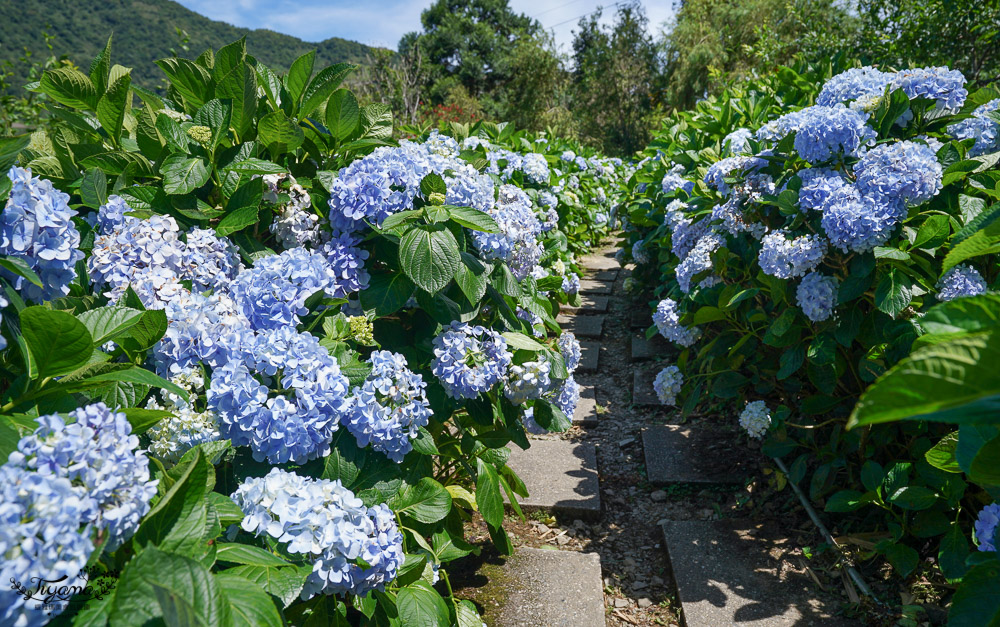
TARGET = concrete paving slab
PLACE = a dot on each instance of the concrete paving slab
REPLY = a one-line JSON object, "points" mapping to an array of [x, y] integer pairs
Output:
{"points": [[640, 319], [582, 326], [743, 573], [693, 454], [644, 350], [607, 276], [543, 587], [586, 410], [589, 355], [561, 477], [590, 286], [602, 260], [589, 304], [642, 387]]}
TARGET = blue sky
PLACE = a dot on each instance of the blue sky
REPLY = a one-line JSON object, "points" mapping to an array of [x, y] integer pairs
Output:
{"points": [[383, 22]]}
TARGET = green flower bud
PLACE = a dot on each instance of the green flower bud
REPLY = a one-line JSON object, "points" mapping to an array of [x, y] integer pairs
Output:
{"points": [[361, 330], [201, 134], [436, 198]]}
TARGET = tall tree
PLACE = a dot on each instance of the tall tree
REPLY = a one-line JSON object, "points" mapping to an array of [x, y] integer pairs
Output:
{"points": [[616, 77]]}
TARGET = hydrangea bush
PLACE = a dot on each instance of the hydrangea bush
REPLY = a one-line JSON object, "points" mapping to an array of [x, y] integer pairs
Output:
{"points": [[261, 359], [795, 235]]}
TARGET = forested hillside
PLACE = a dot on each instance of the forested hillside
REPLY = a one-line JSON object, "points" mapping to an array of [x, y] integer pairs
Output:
{"points": [[143, 31]]}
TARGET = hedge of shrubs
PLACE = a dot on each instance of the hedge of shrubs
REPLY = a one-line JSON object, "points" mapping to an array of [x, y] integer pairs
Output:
{"points": [[262, 362], [808, 234]]}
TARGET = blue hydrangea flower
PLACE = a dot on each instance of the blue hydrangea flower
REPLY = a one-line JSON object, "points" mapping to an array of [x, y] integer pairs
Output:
{"points": [[185, 427], [347, 261], [294, 225], [853, 84], [40, 537], [516, 243], [100, 456], [329, 526], [667, 319], [672, 182], [535, 168], [817, 186], [570, 349], [3, 303], [979, 126], [200, 329], [568, 155], [548, 199], [273, 293], [639, 254], [469, 360], [567, 396], [986, 527], [720, 170], [853, 222], [685, 233], [534, 321], [905, 171], [786, 259], [571, 283], [817, 296], [698, 260], [822, 133], [946, 87], [756, 419], [281, 394], [111, 215], [731, 218], [668, 384], [37, 228], [147, 255], [959, 282], [527, 381], [737, 141], [389, 408], [209, 262]]}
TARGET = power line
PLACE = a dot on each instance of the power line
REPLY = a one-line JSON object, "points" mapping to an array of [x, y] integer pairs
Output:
{"points": [[598, 10], [561, 6]]}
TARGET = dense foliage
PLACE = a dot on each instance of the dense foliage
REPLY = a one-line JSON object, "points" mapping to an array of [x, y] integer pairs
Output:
{"points": [[260, 362], [799, 233], [143, 32]]}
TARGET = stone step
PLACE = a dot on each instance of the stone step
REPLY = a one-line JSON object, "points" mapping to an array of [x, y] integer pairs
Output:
{"points": [[588, 304], [602, 260], [605, 276], [687, 454], [590, 286], [582, 326], [586, 410], [561, 477], [644, 350], [640, 319], [542, 587], [642, 387], [735, 572], [589, 355]]}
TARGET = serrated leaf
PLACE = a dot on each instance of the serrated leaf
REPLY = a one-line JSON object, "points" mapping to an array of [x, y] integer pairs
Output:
{"points": [[183, 174]]}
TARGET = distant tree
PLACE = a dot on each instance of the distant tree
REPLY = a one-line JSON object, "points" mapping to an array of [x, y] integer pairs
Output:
{"points": [[616, 75], [961, 34], [713, 43], [536, 82], [393, 79]]}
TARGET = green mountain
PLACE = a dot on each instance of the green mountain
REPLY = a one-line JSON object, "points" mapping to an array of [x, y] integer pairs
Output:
{"points": [[144, 30]]}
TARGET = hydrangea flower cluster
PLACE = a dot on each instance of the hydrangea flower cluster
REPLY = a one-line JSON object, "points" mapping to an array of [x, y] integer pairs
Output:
{"points": [[786, 259], [818, 184], [668, 384], [639, 254], [201, 329], [728, 168], [673, 181], [979, 126], [100, 457], [209, 262], [389, 408], [571, 283], [961, 281], [40, 537], [946, 87], [824, 132], [567, 396], [570, 349], [853, 84], [186, 427], [853, 222], [528, 381], [904, 171], [469, 360], [986, 527], [327, 524], [273, 293], [756, 419], [698, 260], [295, 225], [817, 296], [37, 228], [534, 321], [535, 168], [738, 141], [516, 243], [281, 393], [668, 322]]}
